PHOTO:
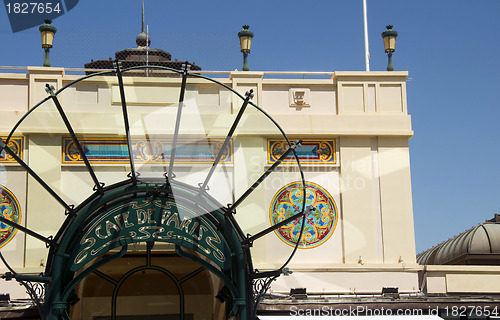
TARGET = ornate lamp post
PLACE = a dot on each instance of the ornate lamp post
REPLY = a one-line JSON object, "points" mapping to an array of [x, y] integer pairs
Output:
{"points": [[389, 36], [245, 36], [47, 31]]}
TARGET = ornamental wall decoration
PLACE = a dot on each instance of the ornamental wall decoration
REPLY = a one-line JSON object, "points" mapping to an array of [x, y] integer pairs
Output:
{"points": [[10, 210], [320, 223], [312, 151]]}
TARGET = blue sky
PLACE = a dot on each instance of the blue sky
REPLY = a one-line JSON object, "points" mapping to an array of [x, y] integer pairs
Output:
{"points": [[449, 47]]}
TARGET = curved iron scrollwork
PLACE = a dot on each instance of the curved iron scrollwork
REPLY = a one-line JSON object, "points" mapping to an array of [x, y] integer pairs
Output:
{"points": [[260, 287], [35, 287], [261, 282], [36, 291]]}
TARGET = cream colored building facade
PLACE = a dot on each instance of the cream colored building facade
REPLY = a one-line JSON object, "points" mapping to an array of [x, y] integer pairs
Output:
{"points": [[365, 114]]}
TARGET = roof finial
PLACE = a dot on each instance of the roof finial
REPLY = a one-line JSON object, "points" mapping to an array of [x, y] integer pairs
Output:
{"points": [[143, 40], [143, 16]]}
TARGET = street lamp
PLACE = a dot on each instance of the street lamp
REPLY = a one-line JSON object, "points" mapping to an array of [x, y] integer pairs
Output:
{"points": [[47, 31], [389, 36], [245, 36]]}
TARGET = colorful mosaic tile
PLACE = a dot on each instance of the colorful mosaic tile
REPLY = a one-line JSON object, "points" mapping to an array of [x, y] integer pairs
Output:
{"points": [[153, 151], [319, 225], [16, 145], [310, 152], [10, 210]]}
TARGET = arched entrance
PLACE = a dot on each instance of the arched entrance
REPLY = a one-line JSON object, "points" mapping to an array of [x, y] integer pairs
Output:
{"points": [[147, 284], [106, 228]]}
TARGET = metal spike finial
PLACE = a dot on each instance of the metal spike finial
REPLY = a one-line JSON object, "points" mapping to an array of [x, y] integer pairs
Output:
{"points": [[143, 39], [143, 16]]}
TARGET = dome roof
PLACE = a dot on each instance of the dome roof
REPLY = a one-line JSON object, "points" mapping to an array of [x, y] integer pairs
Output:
{"points": [[479, 245]]}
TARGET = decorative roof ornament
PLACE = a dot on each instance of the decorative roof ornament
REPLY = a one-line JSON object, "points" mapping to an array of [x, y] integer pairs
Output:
{"points": [[143, 40], [142, 55]]}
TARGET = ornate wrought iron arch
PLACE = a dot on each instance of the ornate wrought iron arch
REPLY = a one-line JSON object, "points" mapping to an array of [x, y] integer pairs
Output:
{"points": [[245, 284]]}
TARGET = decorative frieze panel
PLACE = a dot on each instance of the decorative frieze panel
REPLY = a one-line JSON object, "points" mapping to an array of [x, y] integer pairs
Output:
{"points": [[16, 145], [151, 151], [312, 151]]}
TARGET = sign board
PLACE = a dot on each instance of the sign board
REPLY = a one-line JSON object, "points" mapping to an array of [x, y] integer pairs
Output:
{"points": [[142, 220]]}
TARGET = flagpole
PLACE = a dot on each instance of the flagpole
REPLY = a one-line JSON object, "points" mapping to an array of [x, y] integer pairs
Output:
{"points": [[367, 49], [147, 50]]}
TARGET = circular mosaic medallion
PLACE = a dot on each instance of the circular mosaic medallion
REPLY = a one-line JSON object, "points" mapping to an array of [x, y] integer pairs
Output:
{"points": [[10, 210], [319, 225]]}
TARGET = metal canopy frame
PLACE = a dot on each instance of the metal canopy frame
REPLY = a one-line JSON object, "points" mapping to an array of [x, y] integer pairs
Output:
{"points": [[246, 285]]}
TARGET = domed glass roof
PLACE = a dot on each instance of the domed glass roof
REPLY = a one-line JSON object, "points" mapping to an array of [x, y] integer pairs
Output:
{"points": [[479, 245]]}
